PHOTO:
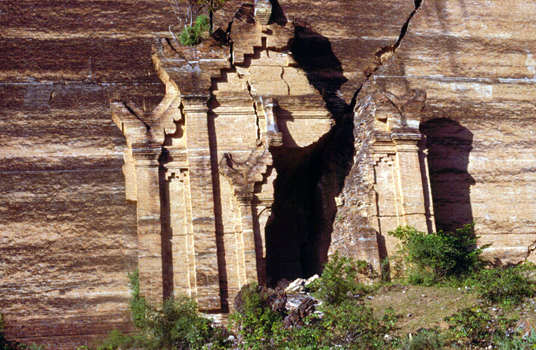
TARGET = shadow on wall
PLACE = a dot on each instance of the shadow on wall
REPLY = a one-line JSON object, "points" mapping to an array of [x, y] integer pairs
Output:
{"points": [[315, 56], [166, 233], [299, 234], [449, 145], [278, 15]]}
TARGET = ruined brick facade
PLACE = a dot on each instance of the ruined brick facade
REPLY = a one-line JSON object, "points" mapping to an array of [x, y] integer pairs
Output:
{"points": [[200, 165], [309, 126]]}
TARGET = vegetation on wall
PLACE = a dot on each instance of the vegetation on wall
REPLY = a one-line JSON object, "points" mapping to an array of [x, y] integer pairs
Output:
{"points": [[430, 258], [453, 257], [195, 25], [340, 278], [508, 285], [342, 320], [191, 35]]}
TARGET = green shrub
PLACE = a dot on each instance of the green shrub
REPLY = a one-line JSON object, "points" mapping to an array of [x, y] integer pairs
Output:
{"points": [[176, 325], [138, 305], [353, 326], [425, 339], [312, 336], [339, 279], [191, 36], [118, 340], [477, 326], [345, 322], [432, 257], [389, 319], [508, 286], [257, 326], [517, 342]]}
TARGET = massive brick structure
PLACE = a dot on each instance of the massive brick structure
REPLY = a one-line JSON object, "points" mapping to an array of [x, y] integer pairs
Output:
{"points": [[309, 126], [200, 166]]}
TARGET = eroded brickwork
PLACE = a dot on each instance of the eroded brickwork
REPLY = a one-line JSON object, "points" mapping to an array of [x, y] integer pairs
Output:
{"points": [[479, 115], [256, 157], [210, 146], [389, 183]]}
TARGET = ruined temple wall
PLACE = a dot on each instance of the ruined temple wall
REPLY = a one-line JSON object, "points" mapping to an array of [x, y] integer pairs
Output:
{"points": [[356, 30], [67, 241], [242, 132], [235, 132], [67, 236], [475, 61], [354, 230], [338, 60]]}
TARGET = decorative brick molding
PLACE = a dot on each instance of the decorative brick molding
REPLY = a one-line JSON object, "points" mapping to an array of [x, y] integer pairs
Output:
{"points": [[200, 164]]}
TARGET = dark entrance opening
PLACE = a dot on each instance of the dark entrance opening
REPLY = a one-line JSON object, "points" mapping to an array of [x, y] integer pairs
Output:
{"points": [[449, 145], [292, 234], [298, 235]]}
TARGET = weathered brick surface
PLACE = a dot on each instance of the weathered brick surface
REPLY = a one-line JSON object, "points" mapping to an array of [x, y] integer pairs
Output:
{"points": [[474, 60], [68, 238], [477, 122], [224, 121]]}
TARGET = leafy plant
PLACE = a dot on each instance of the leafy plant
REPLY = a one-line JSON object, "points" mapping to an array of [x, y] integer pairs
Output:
{"points": [[339, 279], [138, 305], [508, 286], [191, 8], [258, 327], [118, 340], [432, 257], [353, 326], [518, 342], [477, 326], [191, 35], [344, 321], [425, 339], [188, 11], [389, 319], [312, 336], [176, 325]]}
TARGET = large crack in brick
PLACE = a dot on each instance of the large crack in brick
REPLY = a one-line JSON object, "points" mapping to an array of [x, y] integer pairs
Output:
{"points": [[384, 54]]}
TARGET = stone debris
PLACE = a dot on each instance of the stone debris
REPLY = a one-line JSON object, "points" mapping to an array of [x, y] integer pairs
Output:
{"points": [[278, 302], [311, 280], [296, 317], [294, 303], [295, 300], [298, 286]]}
